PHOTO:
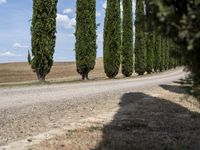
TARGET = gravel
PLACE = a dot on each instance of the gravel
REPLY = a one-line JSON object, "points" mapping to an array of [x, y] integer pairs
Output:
{"points": [[30, 110]]}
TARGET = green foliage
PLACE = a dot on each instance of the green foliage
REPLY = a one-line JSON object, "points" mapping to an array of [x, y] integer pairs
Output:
{"points": [[167, 56], [150, 44], [85, 37], [150, 52], [29, 58], [181, 20], [162, 49], [174, 53], [140, 43], [43, 31], [171, 59], [112, 38], [127, 39], [157, 51]]}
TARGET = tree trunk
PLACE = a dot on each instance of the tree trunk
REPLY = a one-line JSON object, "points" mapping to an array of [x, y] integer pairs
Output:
{"points": [[84, 77], [149, 72], [40, 77], [140, 74], [87, 76]]}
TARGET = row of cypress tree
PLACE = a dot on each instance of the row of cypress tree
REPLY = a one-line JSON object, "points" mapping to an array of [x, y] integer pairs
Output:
{"points": [[116, 46], [43, 31], [153, 51], [118, 39]]}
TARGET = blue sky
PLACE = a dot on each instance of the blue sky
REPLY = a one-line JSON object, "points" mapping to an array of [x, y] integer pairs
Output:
{"points": [[15, 36]]}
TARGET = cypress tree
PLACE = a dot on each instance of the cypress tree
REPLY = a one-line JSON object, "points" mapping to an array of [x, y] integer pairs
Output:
{"points": [[166, 53], [112, 38], [171, 60], [85, 37], [157, 51], [140, 45], [29, 58], [173, 55], [127, 39], [176, 55], [43, 31], [150, 53], [149, 38], [162, 49]]}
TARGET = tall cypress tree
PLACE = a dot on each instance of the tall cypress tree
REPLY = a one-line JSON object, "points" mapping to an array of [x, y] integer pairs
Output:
{"points": [[29, 57], [162, 49], [85, 37], [43, 31], [112, 38], [170, 43], [127, 39], [140, 44], [176, 56], [150, 53], [173, 54], [157, 51], [149, 39], [166, 53]]}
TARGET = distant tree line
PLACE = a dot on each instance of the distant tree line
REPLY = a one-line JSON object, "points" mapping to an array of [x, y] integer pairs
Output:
{"points": [[152, 52]]}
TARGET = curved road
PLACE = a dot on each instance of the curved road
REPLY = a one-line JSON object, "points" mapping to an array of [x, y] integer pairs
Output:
{"points": [[30, 110]]}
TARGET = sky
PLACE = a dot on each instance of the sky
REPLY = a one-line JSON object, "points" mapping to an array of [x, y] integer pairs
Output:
{"points": [[15, 35]]}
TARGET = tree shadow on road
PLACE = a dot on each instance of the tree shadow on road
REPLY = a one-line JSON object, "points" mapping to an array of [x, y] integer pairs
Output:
{"points": [[144, 122], [187, 83], [179, 89]]}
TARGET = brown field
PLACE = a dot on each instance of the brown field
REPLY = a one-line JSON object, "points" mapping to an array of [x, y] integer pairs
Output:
{"points": [[61, 71]]}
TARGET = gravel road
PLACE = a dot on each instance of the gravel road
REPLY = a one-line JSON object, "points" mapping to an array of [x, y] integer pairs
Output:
{"points": [[30, 110]]}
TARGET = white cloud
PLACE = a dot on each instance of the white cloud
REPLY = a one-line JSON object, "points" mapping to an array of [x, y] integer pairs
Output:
{"points": [[65, 21], [68, 11], [98, 14], [100, 37], [3, 1], [104, 5], [8, 54], [20, 46]]}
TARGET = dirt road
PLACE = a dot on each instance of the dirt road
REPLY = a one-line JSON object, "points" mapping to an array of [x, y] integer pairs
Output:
{"points": [[33, 95], [29, 111]]}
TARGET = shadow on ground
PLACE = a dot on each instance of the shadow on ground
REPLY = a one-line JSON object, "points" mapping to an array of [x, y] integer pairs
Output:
{"points": [[175, 88], [144, 122], [188, 85]]}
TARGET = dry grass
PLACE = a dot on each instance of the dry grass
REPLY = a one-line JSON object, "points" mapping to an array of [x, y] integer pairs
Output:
{"points": [[61, 71]]}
